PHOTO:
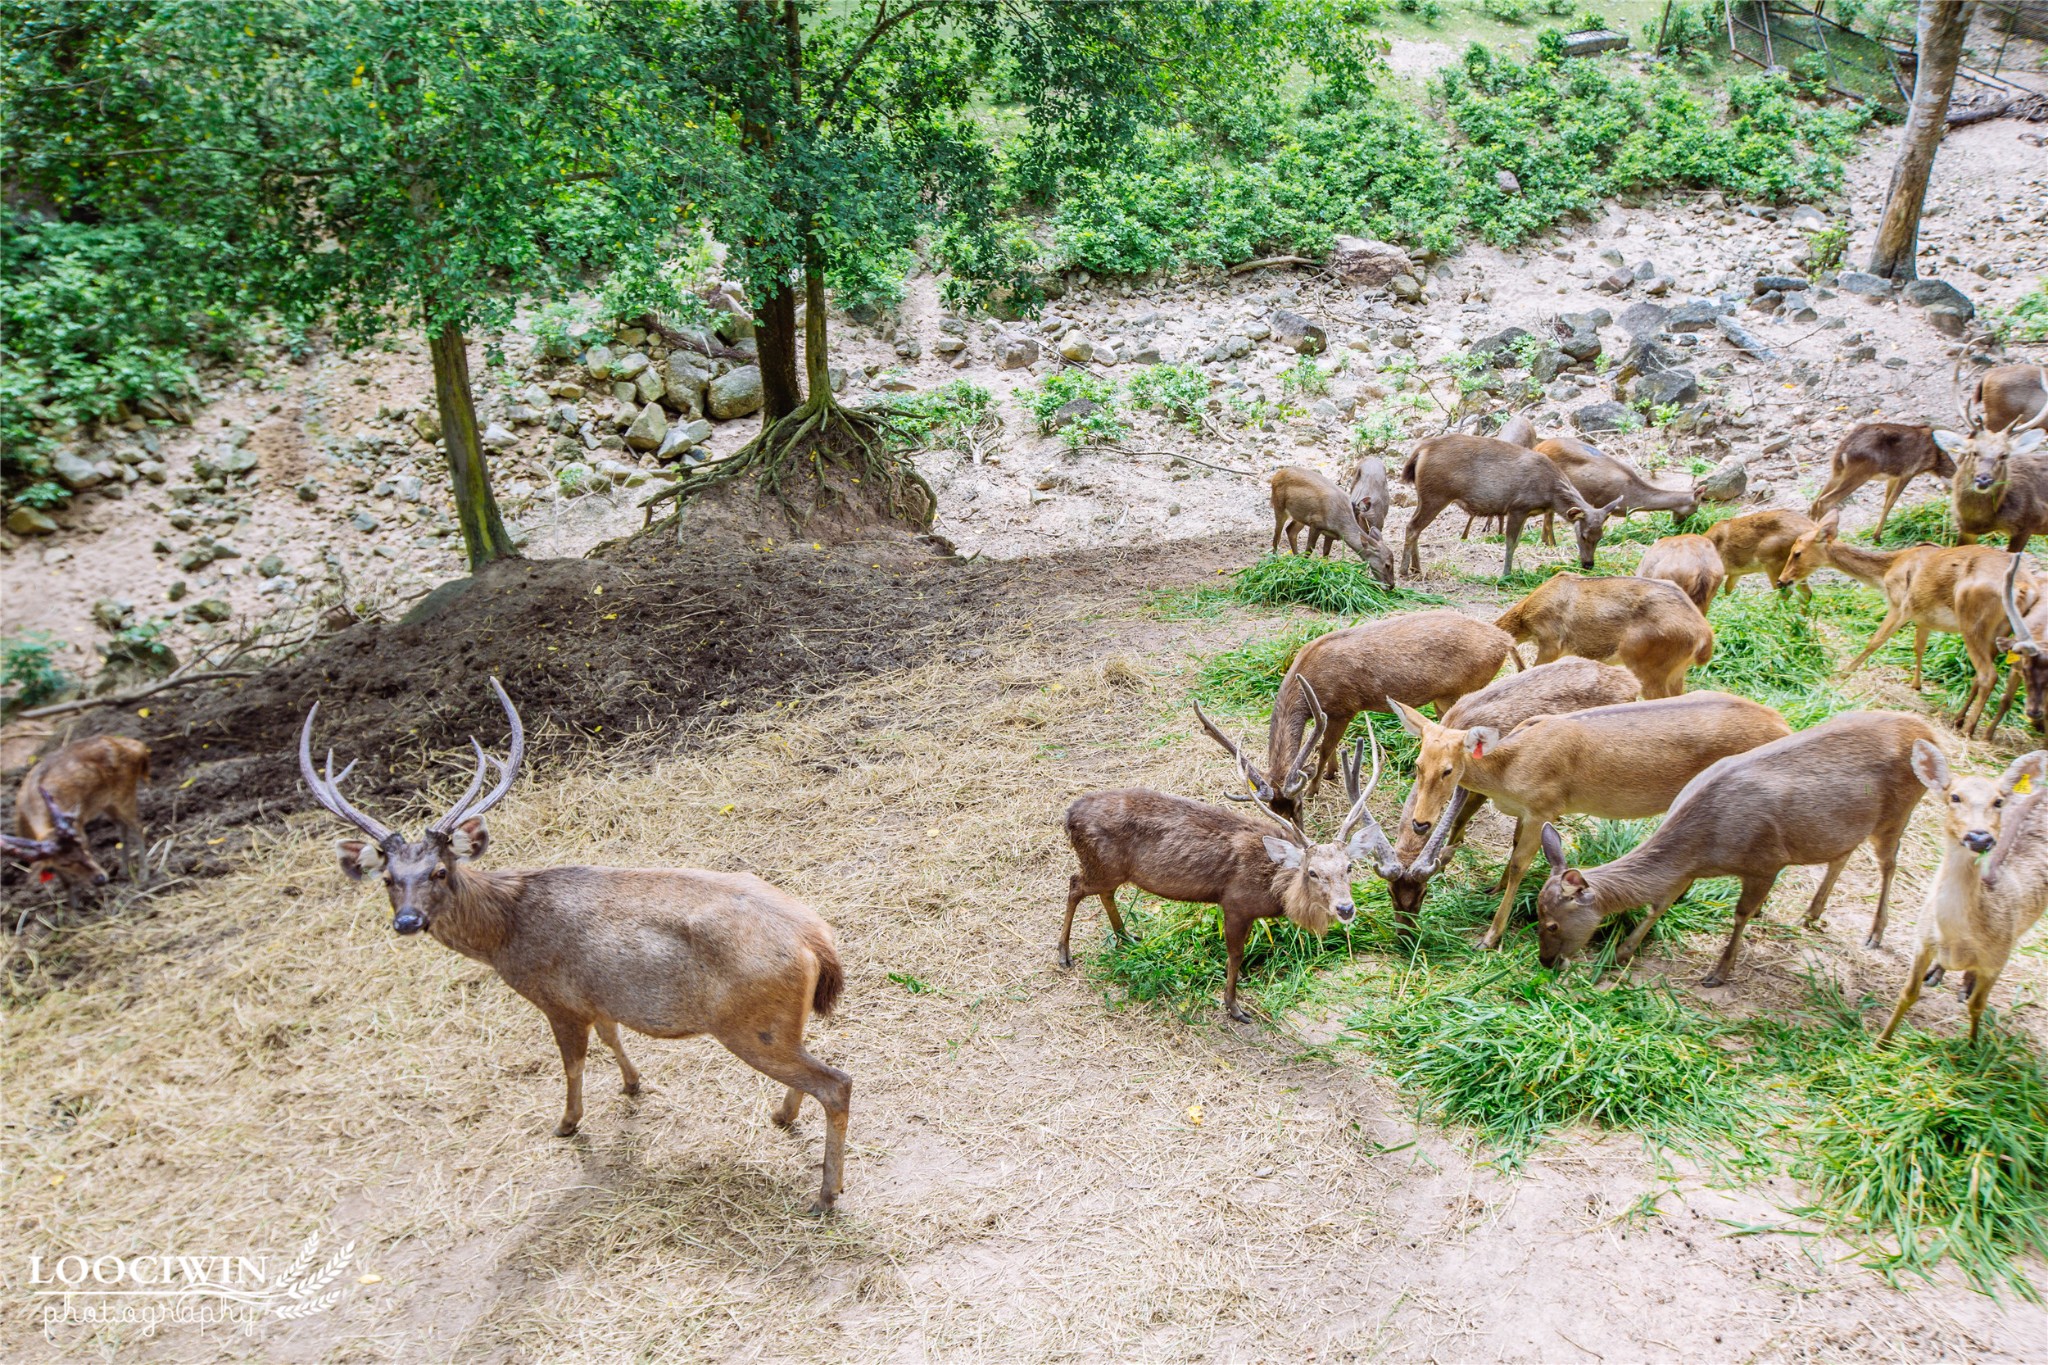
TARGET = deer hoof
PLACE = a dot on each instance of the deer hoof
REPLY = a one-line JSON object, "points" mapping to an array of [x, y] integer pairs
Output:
{"points": [[1873, 942], [1237, 1013], [632, 1087], [1713, 979], [821, 1207], [1488, 941], [566, 1128]]}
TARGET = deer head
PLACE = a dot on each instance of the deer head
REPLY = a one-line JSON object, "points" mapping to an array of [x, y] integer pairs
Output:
{"points": [[1566, 914], [64, 854], [1810, 552], [1973, 808], [1589, 523], [418, 873], [1277, 798]]}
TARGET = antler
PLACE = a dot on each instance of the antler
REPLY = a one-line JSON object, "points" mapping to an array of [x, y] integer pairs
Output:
{"points": [[1258, 784], [508, 770], [1311, 744], [67, 825], [1376, 842], [1973, 419], [2022, 639], [28, 850], [328, 792], [1425, 866]]}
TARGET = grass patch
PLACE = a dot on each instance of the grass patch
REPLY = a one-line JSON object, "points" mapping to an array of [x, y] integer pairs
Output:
{"points": [[1177, 959], [1766, 649], [1924, 523], [1650, 527], [1337, 586], [1244, 679], [1188, 604]]}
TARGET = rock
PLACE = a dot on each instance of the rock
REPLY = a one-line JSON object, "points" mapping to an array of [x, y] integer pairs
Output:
{"points": [[597, 362], [111, 613], [362, 521], [1104, 355], [427, 425], [649, 386], [949, 345], [1644, 357], [1948, 319], [695, 433], [648, 428], [1663, 388], [1257, 331], [896, 383], [1548, 363], [1146, 355], [1070, 413], [1598, 417], [1498, 348], [1658, 285], [1506, 182], [75, 472], [1015, 352], [1726, 482], [1809, 219], [1077, 348], [496, 437], [671, 445], [630, 365], [1616, 283], [196, 557], [1591, 42], [156, 471], [1939, 294], [270, 566], [1695, 316], [1613, 257], [736, 393], [909, 348], [1578, 338], [1860, 354], [1869, 286], [1643, 320], [1230, 348], [1781, 284], [519, 414], [1299, 333], [1406, 288], [1744, 338], [211, 611], [1366, 262]]}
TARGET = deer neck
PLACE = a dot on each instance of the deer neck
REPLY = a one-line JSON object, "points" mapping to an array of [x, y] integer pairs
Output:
{"points": [[1648, 875], [1865, 566], [479, 917], [1958, 891]]}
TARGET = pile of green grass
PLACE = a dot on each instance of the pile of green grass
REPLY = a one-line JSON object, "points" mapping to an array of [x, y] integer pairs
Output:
{"points": [[1176, 958], [1767, 649], [1340, 587], [1924, 523]]}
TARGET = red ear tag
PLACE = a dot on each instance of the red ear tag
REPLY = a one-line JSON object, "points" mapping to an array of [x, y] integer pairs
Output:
{"points": [[47, 875], [1479, 750]]}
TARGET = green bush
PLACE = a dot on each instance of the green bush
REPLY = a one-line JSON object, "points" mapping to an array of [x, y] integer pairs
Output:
{"points": [[2027, 319], [1045, 399], [941, 418], [1177, 390], [29, 675]]}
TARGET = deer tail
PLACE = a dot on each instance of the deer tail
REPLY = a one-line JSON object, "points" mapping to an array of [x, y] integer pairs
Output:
{"points": [[1408, 470], [831, 976], [1705, 653]]}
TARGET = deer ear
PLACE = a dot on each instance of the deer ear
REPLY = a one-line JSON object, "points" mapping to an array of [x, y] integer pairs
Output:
{"points": [[1479, 739], [1412, 720], [1954, 442], [469, 839], [1573, 878], [1929, 766], [1553, 848], [359, 858], [1611, 508], [2026, 441], [1282, 852], [2027, 768]]}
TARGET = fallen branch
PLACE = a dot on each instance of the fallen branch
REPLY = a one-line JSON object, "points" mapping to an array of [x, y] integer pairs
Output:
{"points": [[65, 708], [1243, 267]]}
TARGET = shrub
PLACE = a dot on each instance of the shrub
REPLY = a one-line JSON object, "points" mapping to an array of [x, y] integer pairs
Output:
{"points": [[942, 418], [1044, 400], [1177, 390], [2027, 319], [29, 675]]}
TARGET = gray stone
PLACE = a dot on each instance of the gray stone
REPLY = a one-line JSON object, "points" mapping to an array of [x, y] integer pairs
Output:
{"points": [[1077, 348], [909, 348], [210, 611], [1257, 331], [270, 566], [1598, 417], [1070, 413], [1577, 339], [649, 386], [1658, 285], [1869, 286], [648, 428], [1406, 288], [1506, 182], [75, 472], [1547, 364], [1016, 352], [362, 521], [1365, 262], [1643, 320], [1743, 338], [1663, 388], [736, 393], [156, 471], [1593, 41], [1644, 357], [1939, 293], [1948, 319], [1498, 348], [111, 613], [1299, 333], [1726, 482], [695, 433], [1230, 348], [671, 444], [1616, 283], [630, 365], [1809, 219], [597, 362], [1781, 284], [1697, 315], [427, 425], [1860, 354], [1644, 270], [1147, 354], [949, 345]]}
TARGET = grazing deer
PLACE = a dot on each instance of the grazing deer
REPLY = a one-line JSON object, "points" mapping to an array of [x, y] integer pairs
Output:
{"points": [[1487, 478], [1959, 590], [1646, 625], [91, 778], [1517, 430], [1367, 483], [2009, 398], [1689, 562], [1250, 868], [1811, 797], [668, 953], [1303, 498], [1619, 762], [1604, 481], [1758, 542], [1823, 548], [1977, 909], [1898, 451], [2029, 656], [1421, 657]]}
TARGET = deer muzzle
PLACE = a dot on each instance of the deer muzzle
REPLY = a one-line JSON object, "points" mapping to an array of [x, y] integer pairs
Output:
{"points": [[1979, 841], [408, 921]]}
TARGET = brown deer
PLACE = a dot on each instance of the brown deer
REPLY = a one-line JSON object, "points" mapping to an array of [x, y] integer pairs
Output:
{"points": [[1959, 590], [1995, 490], [88, 779], [1811, 797], [1547, 689], [1367, 483], [1758, 542], [1250, 868], [1977, 909], [1303, 498], [1617, 762], [2009, 398], [1823, 548], [1517, 430], [1646, 625], [2028, 654], [1898, 451], [1689, 562], [1420, 657], [1488, 478], [668, 953], [1603, 480]]}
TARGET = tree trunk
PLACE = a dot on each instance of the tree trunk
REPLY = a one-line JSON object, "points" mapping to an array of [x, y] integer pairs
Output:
{"points": [[817, 372], [483, 530], [775, 335], [1943, 25]]}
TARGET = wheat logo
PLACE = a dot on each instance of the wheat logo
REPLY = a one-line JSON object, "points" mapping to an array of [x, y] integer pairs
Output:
{"points": [[155, 1289], [299, 1288]]}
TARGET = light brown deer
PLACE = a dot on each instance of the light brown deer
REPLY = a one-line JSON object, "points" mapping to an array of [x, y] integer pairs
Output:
{"points": [[1517, 430], [2001, 485], [2009, 398], [1418, 658], [1250, 868], [1823, 548], [1758, 542], [2028, 654], [1548, 689], [1487, 478], [1689, 562], [88, 779], [1811, 797], [668, 953], [1617, 762], [1603, 480], [1959, 590], [1898, 452], [1646, 625], [1304, 499], [1977, 909], [1367, 485]]}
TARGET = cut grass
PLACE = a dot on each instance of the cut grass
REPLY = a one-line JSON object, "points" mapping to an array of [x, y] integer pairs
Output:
{"points": [[1924, 523], [1240, 684], [1176, 958], [1339, 587], [1766, 649]]}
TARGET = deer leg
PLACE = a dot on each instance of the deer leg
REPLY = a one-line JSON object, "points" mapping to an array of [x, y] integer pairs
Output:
{"points": [[1920, 634], [573, 1037], [1980, 996], [1500, 883], [1466, 534], [1279, 523], [1641, 932], [1816, 907], [1329, 542], [1116, 919], [1411, 546], [1077, 891], [1981, 685], [1549, 529], [1886, 846], [1886, 628], [1234, 929], [1326, 752], [778, 1053], [1294, 535], [1527, 833], [1923, 958], [1512, 533], [2012, 685], [628, 1074], [1754, 892], [1892, 489], [2018, 541]]}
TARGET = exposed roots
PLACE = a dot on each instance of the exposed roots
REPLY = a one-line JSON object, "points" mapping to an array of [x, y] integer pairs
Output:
{"points": [[807, 445]]}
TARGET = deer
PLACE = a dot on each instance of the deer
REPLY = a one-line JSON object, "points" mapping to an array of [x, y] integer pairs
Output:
{"points": [[669, 953], [1251, 868], [1994, 490], [2009, 398], [1303, 498], [1603, 480], [2028, 655], [1812, 797], [1517, 430], [1420, 657], [1367, 483], [1646, 625], [1959, 590], [1899, 452], [1689, 562], [1823, 548], [1489, 477], [1547, 689], [87, 779], [1977, 907], [1758, 542], [1620, 762]]}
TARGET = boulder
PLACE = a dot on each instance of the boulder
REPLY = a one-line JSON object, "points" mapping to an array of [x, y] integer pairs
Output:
{"points": [[210, 611], [597, 362], [1695, 316], [75, 472], [1869, 286], [112, 613], [1498, 348], [1663, 388], [1744, 339], [736, 393], [1299, 333], [1616, 283], [1077, 348], [630, 365], [1577, 337], [1070, 413], [427, 425], [1643, 320], [1725, 482], [1939, 294], [1644, 357], [1016, 352], [1809, 219], [1364, 261], [949, 345], [496, 437], [648, 428], [1778, 284], [1599, 417], [1548, 363], [1406, 288], [1506, 182], [1591, 42], [1230, 348], [270, 566]]}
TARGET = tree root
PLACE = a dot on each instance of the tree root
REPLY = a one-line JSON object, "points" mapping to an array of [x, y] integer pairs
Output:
{"points": [[808, 443]]}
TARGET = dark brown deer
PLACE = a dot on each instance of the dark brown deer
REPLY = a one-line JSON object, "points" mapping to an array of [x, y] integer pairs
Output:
{"points": [[1558, 688], [1997, 487], [88, 779], [1978, 907], [1898, 452], [1646, 625], [668, 953], [1811, 797], [1689, 562], [1251, 868], [1304, 499], [1517, 430], [1758, 542], [1367, 484], [1604, 481], [2028, 654], [1418, 658], [1620, 762], [1491, 478]]}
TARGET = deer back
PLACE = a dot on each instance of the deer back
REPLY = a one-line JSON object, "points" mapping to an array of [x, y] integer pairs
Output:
{"points": [[90, 778], [1170, 846], [1758, 540], [1600, 478], [2013, 395], [1896, 450], [1489, 477], [1689, 562], [1599, 618]]}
